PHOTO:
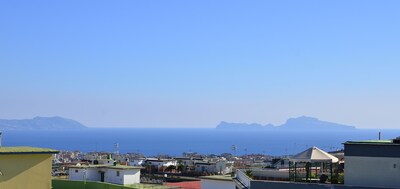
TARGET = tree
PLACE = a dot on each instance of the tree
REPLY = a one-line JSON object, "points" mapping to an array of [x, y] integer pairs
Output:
{"points": [[249, 173], [170, 168], [181, 168]]}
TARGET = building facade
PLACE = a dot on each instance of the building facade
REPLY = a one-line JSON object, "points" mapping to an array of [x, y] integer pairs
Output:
{"points": [[372, 163], [220, 167], [25, 167], [118, 174]]}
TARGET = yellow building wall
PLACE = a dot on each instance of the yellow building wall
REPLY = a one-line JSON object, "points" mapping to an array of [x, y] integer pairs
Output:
{"points": [[25, 171]]}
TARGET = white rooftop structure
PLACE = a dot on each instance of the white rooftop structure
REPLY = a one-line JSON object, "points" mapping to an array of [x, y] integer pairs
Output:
{"points": [[118, 174], [314, 154]]}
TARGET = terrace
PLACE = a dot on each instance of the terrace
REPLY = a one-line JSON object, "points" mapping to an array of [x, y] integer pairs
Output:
{"points": [[67, 184]]}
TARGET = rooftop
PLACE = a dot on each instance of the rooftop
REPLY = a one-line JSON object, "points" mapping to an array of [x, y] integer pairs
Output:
{"points": [[26, 150], [107, 166], [59, 184], [373, 142], [218, 177], [123, 167]]}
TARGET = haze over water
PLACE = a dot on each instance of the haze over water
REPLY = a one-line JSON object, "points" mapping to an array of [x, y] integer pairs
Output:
{"points": [[175, 141]]}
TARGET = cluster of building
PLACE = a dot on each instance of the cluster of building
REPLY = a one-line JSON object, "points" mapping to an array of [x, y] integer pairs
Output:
{"points": [[189, 164], [371, 164], [361, 165]]}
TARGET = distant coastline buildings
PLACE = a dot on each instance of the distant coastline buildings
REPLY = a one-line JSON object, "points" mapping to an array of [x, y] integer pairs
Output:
{"points": [[366, 164]]}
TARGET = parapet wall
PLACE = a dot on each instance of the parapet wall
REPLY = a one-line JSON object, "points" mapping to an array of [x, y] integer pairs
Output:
{"points": [[257, 184]]}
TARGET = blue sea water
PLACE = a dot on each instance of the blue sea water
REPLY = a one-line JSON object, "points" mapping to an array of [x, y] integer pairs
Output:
{"points": [[175, 141]]}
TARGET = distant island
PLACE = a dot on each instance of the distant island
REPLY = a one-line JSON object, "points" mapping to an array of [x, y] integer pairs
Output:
{"points": [[40, 123], [300, 123]]}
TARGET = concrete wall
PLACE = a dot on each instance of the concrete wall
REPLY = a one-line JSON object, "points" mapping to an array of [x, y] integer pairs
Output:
{"points": [[126, 176], [271, 173], [106, 161], [243, 178], [110, 176], [79, 174], [76, 174], [25, 171], [372, 171], [293, 185], [214, 184], [131, 176], [93, 174]]}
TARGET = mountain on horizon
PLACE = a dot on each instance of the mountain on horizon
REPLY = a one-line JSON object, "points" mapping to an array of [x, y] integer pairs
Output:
{"points": [[40, 123], [299, 123]]}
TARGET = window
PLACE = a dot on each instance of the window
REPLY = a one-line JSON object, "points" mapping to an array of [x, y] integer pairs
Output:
{"points": [[394, 166], [117, 173]]}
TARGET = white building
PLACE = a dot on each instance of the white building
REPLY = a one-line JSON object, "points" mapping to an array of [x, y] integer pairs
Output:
{"points": [[372, 163], [104, 161], [117, 174], [160, 164], [217, 181], [137, 162], [220, 167], [188, 161]]}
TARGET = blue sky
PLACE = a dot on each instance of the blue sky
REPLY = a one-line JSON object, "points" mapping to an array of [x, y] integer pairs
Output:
{"points": [[196, 63]]}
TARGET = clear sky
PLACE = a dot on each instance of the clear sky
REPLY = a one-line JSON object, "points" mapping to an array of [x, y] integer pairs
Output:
{"points": [[195, 63]]}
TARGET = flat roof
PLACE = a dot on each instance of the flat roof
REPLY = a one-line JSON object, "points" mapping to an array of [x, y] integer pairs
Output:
{"points": [[123, 167], [373, 142], [218, 177], [26, 150], [106, 166], [111, 185]]}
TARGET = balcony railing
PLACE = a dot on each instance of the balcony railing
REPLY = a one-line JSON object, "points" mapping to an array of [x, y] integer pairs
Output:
{"points": [[243, 178]]}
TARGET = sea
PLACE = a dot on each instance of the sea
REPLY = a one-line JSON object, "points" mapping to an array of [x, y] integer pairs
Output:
{"points": [[175, 141]]}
